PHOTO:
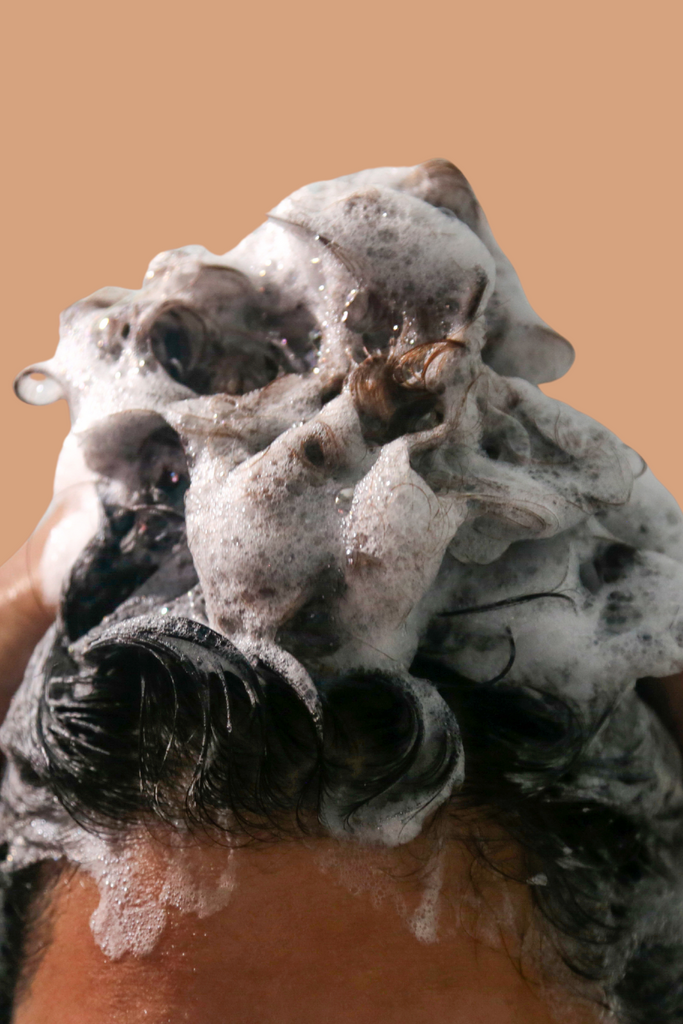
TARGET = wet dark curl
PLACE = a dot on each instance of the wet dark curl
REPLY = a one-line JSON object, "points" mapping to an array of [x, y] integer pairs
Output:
{"points": [[164, 719]]}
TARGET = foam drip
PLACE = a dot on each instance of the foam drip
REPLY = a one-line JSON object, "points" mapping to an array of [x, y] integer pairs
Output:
{"points": [[134, 905], [139, 880], [433, 898], [424, 922], [328, 446]]}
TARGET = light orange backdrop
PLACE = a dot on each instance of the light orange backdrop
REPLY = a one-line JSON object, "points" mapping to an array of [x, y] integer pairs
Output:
{"points": [[130, 128]]}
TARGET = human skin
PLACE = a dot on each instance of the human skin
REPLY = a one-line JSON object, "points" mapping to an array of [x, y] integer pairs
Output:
{"points": [[292, 944], [295, 945]]}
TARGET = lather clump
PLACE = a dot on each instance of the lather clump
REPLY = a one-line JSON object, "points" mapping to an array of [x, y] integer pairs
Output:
{"points": [[349, 565]]}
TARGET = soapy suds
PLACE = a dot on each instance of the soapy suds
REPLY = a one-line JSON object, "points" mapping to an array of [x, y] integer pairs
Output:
{"points": [[133, 907], [433, 897], [138, 880], [424, 922], [364, 265], [328, 446]]}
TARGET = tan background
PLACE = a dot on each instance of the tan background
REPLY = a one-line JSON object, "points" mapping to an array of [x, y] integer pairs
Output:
{"points": [[130, 128]]}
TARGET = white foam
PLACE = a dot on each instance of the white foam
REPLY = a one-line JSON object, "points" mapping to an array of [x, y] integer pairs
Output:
{"points": [[424, 921], [135, 898], [140, 879], [504, 494]]}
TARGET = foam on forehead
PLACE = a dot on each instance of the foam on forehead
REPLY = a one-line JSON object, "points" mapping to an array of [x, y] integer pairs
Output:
{"points": [[324, 454]]}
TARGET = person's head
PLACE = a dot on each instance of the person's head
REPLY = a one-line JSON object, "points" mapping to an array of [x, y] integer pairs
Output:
{"points": [[364, 588]]}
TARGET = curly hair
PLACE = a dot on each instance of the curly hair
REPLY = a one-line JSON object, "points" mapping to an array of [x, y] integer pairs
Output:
{"points": [[170, 721]]}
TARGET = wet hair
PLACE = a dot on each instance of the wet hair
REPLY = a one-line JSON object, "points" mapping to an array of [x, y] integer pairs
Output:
{"points": [[391, 394], [170, 722], [158, 717]]}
